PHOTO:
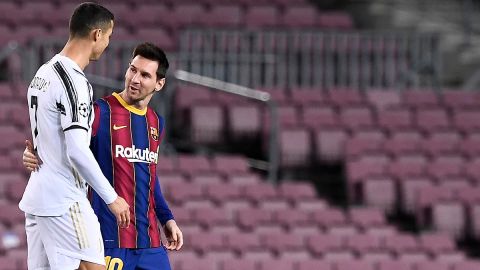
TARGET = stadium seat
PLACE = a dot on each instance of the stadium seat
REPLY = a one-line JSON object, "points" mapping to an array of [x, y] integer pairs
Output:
{"points": [[432, 265], [401, 243], [355, 264], [244, 121], [259, 16], [251, 218], [449, 166], [458, 99], [330, 144], [329, 217], [467, 265], [223, 192], [209, 217], [436, 243], [319, 116], [306, 96], [224, 15], [193, 164], [345, 97], [238, 264], [421, 98], [466, 120], [335, 20], [382, 100], [403, 142], [395, 119], [299, 16], [322, 243], [394, 265], [259, 192], [449, 217], [316, 264], [366, 217], [292, 218], [364, 142], [362, 244], [432, 119], [410, 187], [408, 165], [470, 146], [295, 148], [295, 191], [380, 192], [442, 143], [355, 118], [281, 242]]}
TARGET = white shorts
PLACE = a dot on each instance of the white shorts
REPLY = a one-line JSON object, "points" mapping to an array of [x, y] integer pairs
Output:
{"points": [[61, 242]]}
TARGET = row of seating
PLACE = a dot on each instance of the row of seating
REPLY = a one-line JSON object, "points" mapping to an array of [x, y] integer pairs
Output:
{"points": [[30, 20]]}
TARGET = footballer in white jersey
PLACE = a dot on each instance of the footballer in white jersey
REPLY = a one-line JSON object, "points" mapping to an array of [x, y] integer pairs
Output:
{"points": [[59, 99]]}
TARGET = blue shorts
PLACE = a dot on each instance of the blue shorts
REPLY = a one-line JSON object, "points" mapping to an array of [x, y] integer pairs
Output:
{"points": [[137, 259]]}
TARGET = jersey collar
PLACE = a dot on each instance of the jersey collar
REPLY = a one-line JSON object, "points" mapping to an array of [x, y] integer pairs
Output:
{"points": [[129, 107]]}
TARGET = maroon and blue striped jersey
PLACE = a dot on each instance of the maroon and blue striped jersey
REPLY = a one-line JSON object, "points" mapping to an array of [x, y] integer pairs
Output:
{"points": [[125, 142]]}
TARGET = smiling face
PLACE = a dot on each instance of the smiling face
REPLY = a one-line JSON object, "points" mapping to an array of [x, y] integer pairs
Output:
{"points": [[141, 81]]}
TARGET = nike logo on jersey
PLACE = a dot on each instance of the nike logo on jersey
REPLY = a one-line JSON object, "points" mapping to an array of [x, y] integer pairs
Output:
{"points": [[115, 127]]}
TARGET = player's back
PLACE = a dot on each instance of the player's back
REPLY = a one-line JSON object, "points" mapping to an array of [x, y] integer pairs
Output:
{"points": [[59, 98]]}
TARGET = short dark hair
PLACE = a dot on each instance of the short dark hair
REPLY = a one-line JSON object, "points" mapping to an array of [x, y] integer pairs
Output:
{"points": [[154, 53], [88, 16]]}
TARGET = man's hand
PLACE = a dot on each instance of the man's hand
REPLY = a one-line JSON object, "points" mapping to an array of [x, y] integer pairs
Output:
{"points": [[121, 210], [30, 160], [174, 235]]}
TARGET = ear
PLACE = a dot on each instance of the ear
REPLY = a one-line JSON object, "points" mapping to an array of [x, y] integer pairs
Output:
{"points": [[96, 34], [159, 85]]}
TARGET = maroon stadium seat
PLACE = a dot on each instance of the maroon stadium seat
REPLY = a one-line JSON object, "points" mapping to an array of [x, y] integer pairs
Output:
{"points": [[262, 16], [383, 99], [402, 142], [467, 265], [432, 265], [335, 20], [395, 119], [401, 243], [355, 264], [470, 146], [362, 244], [364, 142], [356, 117], [322, 243], [297, 191], [319, 116], [421, 99], [457, 99], [222, 15], [438, 143], [244, 120], [295, 147], [436, 243], [450, 166], [394, 265], [466, 120], [345, 97], [299, 16], [330, 144], [380, 192], [366, 217], [432, 119]]}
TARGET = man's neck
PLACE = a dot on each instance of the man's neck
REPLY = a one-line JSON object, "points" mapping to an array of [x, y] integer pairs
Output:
{"points": [[140, 104], [79, 51]]}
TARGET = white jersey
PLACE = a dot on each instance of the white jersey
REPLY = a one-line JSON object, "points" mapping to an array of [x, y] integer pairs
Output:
{"points": [[59, 99]]}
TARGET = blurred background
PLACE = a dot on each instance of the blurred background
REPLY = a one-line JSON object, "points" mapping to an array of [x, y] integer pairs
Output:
{"points": [[361, 152]]}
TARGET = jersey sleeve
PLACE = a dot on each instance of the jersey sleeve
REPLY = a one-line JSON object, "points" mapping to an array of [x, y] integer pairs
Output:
{"points": [[161, 207], [77, 102]]}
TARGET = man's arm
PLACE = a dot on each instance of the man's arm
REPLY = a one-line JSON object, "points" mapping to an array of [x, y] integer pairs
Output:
{"points": [[164, 214], [82, 159]]}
